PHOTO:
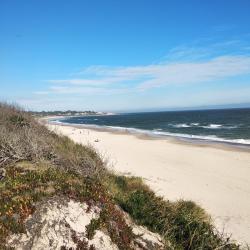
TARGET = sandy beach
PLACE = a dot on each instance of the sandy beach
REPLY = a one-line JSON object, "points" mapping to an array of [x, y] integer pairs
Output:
{"points": [[217, 178]]}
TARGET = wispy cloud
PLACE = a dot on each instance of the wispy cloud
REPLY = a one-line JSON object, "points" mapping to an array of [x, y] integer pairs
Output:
{"points": [[181, 66], [201, 72], [90, 82], [152, 76], [86, 90]]}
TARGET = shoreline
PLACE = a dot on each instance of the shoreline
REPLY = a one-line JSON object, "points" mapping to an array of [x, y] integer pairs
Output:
{"points": [[148, 135], [216, 178]]}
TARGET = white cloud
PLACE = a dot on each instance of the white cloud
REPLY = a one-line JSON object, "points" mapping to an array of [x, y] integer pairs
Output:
{"points": [[104, 79], [86, 90], [41, 92], [108, 87], [201, 72]]}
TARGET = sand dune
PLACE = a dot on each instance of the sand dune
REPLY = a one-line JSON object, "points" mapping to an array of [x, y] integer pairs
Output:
{"points": [[217, 178]]}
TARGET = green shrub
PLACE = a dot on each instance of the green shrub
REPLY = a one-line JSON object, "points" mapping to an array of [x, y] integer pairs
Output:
{"points": [[182, 223], [55, 165]]}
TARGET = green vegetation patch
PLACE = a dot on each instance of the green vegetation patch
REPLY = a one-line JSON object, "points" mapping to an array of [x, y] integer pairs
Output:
{"points": [[23, 187], [182, 223], [40, 164]]}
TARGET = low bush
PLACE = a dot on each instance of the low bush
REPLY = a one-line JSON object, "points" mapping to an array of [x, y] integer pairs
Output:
{"points": [[26, 184], [24, 138], [182, 223], [54, 165]]}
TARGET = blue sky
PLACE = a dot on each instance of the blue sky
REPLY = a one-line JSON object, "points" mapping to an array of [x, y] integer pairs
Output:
{"points": [[124, 55]]}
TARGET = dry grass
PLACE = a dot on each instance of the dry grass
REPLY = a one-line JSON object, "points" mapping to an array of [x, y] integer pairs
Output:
{"points": [[22, 138], [42, 164]]}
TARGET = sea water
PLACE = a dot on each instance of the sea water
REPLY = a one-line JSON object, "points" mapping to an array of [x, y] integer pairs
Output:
{"points": [[225, 125]]}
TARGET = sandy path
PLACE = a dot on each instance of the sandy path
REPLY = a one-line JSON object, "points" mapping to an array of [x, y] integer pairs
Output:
{"points": [[217, 179]]}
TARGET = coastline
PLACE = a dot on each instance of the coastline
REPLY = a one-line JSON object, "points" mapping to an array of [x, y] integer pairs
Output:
{"points": [[149, 135], [215, 177]]}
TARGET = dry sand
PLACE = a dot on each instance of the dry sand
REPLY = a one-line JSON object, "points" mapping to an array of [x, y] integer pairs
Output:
{"points": [[217, 178]]}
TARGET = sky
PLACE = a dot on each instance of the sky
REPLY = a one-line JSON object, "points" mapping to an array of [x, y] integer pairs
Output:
{"points": [[124, 55]]}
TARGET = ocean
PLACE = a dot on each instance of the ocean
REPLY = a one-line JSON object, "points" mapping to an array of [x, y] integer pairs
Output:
{"points": [[225, 125]]}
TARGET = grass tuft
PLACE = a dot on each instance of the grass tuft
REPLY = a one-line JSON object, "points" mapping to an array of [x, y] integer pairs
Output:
{"points": [[40, 164], [182, 223]]}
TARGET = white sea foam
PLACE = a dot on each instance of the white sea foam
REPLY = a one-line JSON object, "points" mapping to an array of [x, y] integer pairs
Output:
{"points": [[55, 121], [213, 138], [212, 126], [180, 125], [197, 125], [218, 126], [230, 127], [158, 132]]}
